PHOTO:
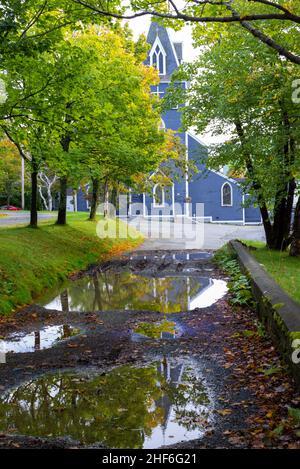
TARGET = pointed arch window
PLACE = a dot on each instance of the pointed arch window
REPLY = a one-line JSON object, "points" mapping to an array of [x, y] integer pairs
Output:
{"points": [[158, 196], [226, 195], [162, 125], [158, 57]]}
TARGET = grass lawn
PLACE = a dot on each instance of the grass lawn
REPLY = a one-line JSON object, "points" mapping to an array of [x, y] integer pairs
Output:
{"points": [[284, 269], [32, 260]]}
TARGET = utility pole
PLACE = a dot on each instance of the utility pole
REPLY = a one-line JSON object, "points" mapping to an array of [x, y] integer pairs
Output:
{"points": [[23, 184]]}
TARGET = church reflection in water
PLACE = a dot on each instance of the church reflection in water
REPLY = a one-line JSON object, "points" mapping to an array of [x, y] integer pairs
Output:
{"points": [[130, 407], [127, 291]]}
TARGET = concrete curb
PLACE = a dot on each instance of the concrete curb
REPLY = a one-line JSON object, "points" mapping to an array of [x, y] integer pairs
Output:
{"points": [[279, 313]]}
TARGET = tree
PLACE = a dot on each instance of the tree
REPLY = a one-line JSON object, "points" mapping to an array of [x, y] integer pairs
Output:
{"points": [[266, 14], [10, 173], [117, 128], [85, 108], [46, 183], [35, 26], [248, 93]]}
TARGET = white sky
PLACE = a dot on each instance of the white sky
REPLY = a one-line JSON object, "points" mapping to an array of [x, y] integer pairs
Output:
{"points": [[141, 25]]}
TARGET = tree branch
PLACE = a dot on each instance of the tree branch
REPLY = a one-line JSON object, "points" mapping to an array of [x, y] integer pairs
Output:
{"points": [[17, 145], [243, 20], [34, 19], [266, 39], [285, 16]]}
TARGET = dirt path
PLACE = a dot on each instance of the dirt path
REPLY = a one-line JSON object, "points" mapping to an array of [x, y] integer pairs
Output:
{"points": [[243, 391]]}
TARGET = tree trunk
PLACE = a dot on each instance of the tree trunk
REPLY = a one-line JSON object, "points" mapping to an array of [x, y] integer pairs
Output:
{"points": [[285, 195], [289, 208], [43, 198], [64, 299], [278, 233], [62, 208], [95, 198], [49, 197], [279, 228], [106, 199], [65, 144], [34, 196], [295, 244]]}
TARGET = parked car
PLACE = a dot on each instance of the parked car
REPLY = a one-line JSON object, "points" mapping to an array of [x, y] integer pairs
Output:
{"points": [[10, 207]]}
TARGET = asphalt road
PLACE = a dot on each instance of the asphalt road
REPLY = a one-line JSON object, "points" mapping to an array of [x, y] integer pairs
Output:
{"points": [[20, 218], [179, 235]]}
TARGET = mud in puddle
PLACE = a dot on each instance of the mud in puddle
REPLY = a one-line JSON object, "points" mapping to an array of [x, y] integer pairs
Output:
{"points": [[145, 368]]}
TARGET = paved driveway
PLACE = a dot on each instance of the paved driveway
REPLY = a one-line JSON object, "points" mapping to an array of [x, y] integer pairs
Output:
{"points": [[171, 234]]}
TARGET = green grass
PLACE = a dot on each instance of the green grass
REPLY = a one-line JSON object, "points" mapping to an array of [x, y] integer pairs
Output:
{"points": [[33, 260], [284, 269]]}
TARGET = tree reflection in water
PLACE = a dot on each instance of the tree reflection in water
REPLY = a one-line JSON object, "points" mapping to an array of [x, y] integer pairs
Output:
{"points": [[114, 290], [122, 409]]}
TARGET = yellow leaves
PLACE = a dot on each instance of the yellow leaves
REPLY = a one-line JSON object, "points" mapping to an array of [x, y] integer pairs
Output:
{"points": [[224, 412], [291, 5]]}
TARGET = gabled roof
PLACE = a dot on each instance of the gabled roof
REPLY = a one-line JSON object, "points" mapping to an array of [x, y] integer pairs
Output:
{"points": [[219, 173], [157, 31], [178, 49]]}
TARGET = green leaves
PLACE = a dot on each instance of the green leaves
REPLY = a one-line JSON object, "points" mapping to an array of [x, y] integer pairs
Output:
{"points": [[239, 286]]}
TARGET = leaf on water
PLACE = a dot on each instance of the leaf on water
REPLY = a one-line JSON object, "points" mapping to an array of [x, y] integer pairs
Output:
{"points": [[224, 412], [272, 371], [248, 333]]}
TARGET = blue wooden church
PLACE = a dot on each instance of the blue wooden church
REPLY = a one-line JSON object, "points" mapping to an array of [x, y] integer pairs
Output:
{"points": [[222, 196]]}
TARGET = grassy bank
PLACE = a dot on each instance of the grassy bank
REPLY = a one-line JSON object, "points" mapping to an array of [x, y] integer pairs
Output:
{"points": [[33, 260], [284, 269]]}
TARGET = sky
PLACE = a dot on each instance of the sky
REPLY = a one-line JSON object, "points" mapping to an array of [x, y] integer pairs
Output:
{"points": [[141, 25]]}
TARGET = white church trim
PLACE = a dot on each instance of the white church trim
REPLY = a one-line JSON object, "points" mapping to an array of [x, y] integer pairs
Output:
{"points": [[155, 204], [153, 53], [226, 183]]}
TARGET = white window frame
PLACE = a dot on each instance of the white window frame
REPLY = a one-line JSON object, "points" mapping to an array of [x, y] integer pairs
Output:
{"points": [[222, 195], [155, 204], [162, 125], [158, 93], [162, 50]]}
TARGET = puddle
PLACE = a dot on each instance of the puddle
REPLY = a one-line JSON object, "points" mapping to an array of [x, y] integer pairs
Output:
{"points": [[157, 330], [37, 340], [210, 295], [108, 291], [160, 404]]}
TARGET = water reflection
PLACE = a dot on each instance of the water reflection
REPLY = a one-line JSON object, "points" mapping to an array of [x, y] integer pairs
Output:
{"points": [[163, 403], [157, 330], [127, 291], [37, 340]]}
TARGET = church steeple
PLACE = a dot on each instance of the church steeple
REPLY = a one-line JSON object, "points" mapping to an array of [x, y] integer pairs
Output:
{"points": [[162, 53]]}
